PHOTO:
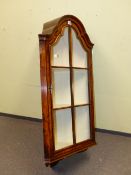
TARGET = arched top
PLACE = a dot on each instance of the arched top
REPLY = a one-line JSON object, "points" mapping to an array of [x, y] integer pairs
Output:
{"points": [[53, 29]]}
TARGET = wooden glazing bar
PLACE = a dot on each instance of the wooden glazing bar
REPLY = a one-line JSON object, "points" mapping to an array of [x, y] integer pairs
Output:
{"points": [[66, 67], [71, 84], [59, 108], [61, 67], [80, 105]]}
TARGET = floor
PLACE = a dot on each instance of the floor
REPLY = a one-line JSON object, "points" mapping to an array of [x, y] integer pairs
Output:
{"points": [[21, 153]]}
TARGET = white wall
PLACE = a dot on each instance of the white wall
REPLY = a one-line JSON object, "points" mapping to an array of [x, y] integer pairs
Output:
{"points": [[109, 27]]}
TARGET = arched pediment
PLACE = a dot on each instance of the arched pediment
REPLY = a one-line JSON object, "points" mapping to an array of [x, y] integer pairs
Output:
{"points": [[54, 29]]}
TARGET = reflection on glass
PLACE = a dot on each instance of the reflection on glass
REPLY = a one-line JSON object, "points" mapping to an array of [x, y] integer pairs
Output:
{"points": [[82, 123], [61, 87], [80, 87], [63, 128], [60, 51], [79, 54]]}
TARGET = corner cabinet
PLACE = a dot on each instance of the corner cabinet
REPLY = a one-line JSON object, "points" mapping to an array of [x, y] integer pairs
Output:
{"points": [[66, 88]]}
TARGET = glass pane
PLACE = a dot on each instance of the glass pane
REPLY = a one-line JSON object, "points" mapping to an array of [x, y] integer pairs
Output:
{"points": [[80, 87], [60, 51], [61, 87], [79, 54], [63, 128], [82, 123]]}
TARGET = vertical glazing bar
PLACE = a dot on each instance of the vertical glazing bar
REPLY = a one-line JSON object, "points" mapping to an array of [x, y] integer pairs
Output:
{"points": [[71, 84]]}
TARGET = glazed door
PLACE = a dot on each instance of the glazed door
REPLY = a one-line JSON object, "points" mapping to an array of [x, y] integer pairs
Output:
{"points": [[70, 95]]}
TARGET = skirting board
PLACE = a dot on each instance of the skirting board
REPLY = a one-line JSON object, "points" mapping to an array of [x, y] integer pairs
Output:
{"points": [[113, 132], [40, 120], [20, 117]]}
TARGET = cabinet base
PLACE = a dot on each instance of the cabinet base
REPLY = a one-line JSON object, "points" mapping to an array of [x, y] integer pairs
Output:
{"points": [[57, 158]]}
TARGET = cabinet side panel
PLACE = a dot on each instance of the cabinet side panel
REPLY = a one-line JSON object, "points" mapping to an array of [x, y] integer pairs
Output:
{"points": [[44, 97]]}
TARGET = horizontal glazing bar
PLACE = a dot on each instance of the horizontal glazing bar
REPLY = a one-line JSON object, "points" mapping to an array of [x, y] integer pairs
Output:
{"points": [[65, 67], [64, 107]]}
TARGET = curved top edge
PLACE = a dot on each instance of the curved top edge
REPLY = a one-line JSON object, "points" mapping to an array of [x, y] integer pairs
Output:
{"points": [[49, 27], [53, 23]]}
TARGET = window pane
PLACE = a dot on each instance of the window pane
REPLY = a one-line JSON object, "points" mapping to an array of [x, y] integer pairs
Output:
{"points": [[80, 87], [63, 128], [61, 87], [82, 123], [60, 51], [79, 54]]}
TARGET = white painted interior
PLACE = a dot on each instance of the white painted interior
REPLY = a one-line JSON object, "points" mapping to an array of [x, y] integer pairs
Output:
{"points": [[63, 128], [62, 93], [61, 87], [82, 123], [80, 87], [79, 55], [60, 51]]}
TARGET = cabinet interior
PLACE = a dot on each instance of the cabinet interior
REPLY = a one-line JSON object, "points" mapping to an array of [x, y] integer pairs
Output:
{"points": [[70, 90]]}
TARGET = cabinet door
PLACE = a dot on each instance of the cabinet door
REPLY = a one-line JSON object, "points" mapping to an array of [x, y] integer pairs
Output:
{"points": [[70, 97]]}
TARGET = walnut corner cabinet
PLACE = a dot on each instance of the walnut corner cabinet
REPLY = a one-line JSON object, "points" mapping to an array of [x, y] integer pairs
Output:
{"points": [[66, 88]]}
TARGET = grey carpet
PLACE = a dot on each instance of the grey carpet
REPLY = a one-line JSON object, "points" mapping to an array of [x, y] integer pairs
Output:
{"points": [[21, 153]]}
